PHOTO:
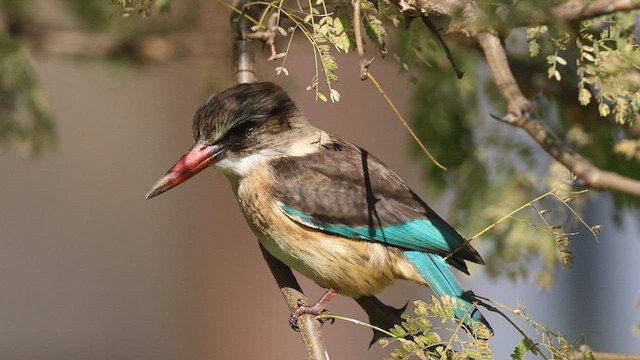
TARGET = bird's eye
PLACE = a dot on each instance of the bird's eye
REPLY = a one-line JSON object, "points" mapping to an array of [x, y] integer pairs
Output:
{"points": [[241, 130]]}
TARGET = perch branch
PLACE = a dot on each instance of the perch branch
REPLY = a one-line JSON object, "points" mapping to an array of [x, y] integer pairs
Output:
{"points": [[310, 328], [379, 314], [522, 114], [357, 27], [242, 56], [244, 72]]}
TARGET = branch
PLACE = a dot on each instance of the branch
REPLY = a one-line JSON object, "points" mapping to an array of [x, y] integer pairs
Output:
{"points": [[357, 27], [581, 9], [434, 30], [310, 328], [243, 58], [584, 350], [244, 72], [521, 113], [570, 10]]}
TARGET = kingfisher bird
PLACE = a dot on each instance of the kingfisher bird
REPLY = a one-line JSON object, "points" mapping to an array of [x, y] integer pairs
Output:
{"points": [[322, 205]]}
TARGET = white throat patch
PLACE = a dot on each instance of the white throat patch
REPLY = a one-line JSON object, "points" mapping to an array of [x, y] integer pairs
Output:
{"points": [[235, 167], [242, 166]]}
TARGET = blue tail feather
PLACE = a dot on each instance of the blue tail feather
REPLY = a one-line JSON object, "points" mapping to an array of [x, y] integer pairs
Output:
{"points": [[437, 273]]}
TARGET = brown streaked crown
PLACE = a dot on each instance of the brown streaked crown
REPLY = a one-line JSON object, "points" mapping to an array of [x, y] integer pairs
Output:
{"points": [[243, 111]]}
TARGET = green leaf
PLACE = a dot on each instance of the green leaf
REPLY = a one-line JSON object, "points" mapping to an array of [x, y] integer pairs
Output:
{"points": [[375, 31], [524, 346]]}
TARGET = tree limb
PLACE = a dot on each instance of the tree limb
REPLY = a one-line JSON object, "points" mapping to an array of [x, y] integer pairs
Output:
{"points": [[243, 59], [380, 315], [243, 67], [568, 11], [585, 350], [521, 113], [357, 28], [310, 328], [584, 9]]}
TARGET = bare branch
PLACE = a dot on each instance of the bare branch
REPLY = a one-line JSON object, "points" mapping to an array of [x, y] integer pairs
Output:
{"points": [[244, 72], [496, 57], [310, 328], [583, 9], [243, 58], [567, 11], [357, 27], [584, 350], [521, 113]]}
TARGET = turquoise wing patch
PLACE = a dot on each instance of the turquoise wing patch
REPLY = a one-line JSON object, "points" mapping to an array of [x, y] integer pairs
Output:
{"points": [[419, 234]]}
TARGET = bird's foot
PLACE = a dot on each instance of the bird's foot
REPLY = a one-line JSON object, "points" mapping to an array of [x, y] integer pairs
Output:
{"points": [[316, 309]]}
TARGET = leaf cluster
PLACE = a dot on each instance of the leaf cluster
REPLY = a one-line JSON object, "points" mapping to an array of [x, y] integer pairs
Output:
{"points": [[142, 6], [420, 336], [607, 62], [545, 343], [326, 27], [24, 117]]}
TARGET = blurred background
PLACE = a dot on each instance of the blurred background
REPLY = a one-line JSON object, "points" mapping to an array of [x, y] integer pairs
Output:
{"points": [[90, 270]]}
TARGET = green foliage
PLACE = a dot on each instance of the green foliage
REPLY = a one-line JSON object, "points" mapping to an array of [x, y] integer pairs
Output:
{"points": [[524, 346], [608, 64], [608, 60], [326, 30], [543, 343], [437, 121], [94, 14], [17, 9], [419, 336], [609, 146], [98, 14], [24, 117], [373, 26], [319, 26], [142, 6], [490, 172], [538, 236]]}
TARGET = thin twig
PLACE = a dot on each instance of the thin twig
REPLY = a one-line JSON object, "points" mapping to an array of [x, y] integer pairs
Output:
{"points": [[404, 122], [434, 30]]}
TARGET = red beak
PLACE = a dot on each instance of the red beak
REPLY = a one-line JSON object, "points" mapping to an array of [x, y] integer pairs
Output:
{"points": [[196, 159]]}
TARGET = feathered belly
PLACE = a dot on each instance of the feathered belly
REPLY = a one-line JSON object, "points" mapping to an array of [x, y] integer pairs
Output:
{"points": [[351, 267]]}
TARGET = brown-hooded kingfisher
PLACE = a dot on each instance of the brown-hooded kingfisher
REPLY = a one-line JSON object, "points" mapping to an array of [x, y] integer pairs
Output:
{"points": [[321, 205]]}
